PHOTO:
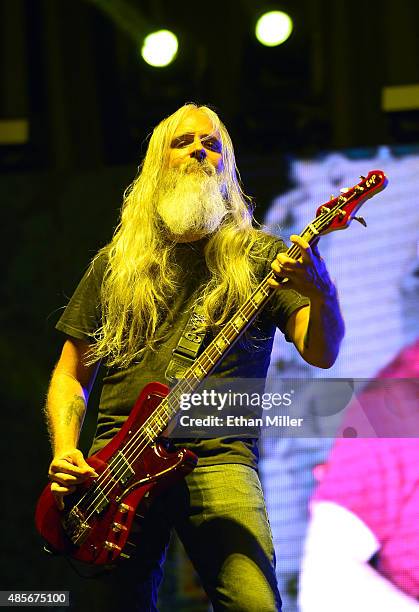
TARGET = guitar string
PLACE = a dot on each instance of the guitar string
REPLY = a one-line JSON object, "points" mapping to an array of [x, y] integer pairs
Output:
{"points": [[139, 442]]}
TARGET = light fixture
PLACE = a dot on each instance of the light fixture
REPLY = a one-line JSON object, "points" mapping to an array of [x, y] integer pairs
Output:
{"points": [[273, 28], [159, 48]]}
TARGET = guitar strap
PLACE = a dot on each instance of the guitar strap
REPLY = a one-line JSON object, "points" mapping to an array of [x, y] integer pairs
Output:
{"points": [[187, 348]]}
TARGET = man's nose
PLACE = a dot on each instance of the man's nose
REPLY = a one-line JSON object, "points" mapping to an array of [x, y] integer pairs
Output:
{"points": [[199, 153]]}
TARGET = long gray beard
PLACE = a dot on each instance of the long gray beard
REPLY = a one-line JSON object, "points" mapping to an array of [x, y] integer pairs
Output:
{"points": [[190, 201]]}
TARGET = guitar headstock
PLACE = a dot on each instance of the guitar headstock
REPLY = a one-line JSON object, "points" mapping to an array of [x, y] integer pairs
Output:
{"points": [[338, 213]]}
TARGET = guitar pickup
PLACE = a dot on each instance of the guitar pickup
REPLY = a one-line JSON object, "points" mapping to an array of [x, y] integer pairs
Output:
{"points": [[101, 501], [76, 527], [120, 468]]}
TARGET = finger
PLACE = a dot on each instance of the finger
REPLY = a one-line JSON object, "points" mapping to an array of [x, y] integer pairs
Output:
{"points": [[57, 489], [62, 465], [63, 477], [72, 464], [59, 501], [282, 258], [80, 462], [280, 274], [273, 283], [284, 283], [59, 493], [285, 263], [304, 247], [276, 266], [296, 239], [67, 479]]}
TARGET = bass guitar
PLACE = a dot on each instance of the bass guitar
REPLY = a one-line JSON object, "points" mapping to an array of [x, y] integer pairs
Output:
{"points": [[136, 465]]}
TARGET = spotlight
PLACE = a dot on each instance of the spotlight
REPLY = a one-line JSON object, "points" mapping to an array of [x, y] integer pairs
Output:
{"points": [[159, 48], [273, 28]]}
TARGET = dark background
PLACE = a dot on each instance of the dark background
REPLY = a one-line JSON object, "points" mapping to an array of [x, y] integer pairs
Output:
{"points": [[72, 68]]}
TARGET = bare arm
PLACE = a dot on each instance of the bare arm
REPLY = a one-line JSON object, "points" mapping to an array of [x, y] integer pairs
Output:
{"points": [[335, 574], [67, 397], [316, 330]]}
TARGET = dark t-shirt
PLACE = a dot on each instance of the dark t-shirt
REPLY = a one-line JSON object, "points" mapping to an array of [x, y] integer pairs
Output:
{"points": [[246, 359]]}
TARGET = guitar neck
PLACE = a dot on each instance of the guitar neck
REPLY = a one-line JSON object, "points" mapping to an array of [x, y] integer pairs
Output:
{"points": [[226, 338]]}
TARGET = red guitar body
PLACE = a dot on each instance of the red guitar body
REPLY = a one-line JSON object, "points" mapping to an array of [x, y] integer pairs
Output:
{"points": [[94, 526]]}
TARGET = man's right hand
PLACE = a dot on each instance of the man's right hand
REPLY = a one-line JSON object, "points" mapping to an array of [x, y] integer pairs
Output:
{"points": [[66, 471]]}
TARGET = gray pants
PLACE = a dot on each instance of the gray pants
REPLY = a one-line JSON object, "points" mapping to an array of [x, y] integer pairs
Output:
{"points": [[219, 515]]}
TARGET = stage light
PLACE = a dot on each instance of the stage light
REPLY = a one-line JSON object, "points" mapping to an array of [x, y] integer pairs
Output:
{"points": [[159, 48], [273, 28]]}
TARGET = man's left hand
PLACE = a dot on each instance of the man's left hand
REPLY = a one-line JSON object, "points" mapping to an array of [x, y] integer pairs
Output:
{"points": [[308, 274]]}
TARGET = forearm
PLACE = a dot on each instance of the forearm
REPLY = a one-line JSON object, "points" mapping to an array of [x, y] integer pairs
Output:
{"points": [[65, 410], [318, 334], [325, 330]]}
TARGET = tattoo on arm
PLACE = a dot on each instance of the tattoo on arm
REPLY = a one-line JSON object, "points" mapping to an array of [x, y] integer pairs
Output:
{"points": [[76, 408]]}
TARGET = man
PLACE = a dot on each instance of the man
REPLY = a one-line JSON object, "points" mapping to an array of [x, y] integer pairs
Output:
{"points": [[186, 236]]}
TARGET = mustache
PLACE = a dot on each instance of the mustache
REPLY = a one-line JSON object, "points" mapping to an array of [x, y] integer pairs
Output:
{"points": [[196, 166]]}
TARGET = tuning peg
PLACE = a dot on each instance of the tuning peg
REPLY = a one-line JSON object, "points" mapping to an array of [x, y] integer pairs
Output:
{"points": [[332, 197], [360, 220], [362, 177]]}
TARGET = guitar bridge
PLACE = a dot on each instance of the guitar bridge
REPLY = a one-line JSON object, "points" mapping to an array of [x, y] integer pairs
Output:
{"points": [[76, 527]]}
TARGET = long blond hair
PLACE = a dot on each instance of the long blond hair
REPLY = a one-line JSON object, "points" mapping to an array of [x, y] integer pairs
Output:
{"points": [[139, 277]]}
